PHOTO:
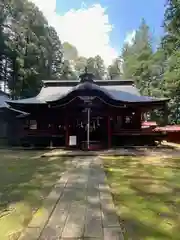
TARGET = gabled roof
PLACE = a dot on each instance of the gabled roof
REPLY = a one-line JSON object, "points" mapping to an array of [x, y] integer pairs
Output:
{"points": [[117, 91], [4, 97], [72, 83]]}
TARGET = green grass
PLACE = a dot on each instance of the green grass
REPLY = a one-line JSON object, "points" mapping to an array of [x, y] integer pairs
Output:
{"points": [[146, 193], [26, 178]]}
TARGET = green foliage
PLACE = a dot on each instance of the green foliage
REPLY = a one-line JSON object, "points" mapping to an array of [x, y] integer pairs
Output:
{"points": [[70, 52], [138, 60], [157, 72], [80, 65], [75, 64], [171, 44], [146, 66], [96, 66], [30, 49], [114, 70], [68, 72]]}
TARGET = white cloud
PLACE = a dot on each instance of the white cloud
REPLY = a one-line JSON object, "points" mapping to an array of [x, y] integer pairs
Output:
{"points": [[87, 28], [47, 7], [130, 37]]}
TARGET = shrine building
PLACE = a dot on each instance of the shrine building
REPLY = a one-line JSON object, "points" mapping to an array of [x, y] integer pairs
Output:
{"points": [[87, 114]]}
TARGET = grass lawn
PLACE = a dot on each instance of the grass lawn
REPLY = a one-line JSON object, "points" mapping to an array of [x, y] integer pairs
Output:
{"points": [[146, 193], [25, 179]]}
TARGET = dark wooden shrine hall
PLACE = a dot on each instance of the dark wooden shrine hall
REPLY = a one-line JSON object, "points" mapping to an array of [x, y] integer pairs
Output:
{"points": [[87, 114]]}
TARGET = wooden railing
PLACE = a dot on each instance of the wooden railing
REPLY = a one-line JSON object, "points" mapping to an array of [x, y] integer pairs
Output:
{"points": [[54, 133], [41, 133], [142, 131]]}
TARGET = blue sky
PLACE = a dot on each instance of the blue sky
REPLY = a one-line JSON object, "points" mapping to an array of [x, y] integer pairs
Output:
{"points": [[124, 15], [101, 27]]}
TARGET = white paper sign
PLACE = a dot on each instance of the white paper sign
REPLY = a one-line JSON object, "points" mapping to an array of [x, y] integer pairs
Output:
{"points": [[72, 140]]}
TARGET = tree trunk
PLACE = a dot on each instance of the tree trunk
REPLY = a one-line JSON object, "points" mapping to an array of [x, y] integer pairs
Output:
{"points": [[5, 74]]}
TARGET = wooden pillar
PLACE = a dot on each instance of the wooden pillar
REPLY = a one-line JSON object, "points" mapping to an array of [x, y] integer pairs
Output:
{"points": [[109, 132], [67, 133], [138, 116], [165, 112]]}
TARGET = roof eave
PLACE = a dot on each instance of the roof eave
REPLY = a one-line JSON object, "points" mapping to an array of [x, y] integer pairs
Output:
{"points": [[25, 103], [18, 111]]}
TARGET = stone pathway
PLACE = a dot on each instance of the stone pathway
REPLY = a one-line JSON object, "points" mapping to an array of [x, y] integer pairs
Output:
{"points": [[79, 207]]}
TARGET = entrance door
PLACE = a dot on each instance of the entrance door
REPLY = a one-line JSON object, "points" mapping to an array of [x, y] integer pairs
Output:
{"points": [[98, 130], [78, 128], [93, 131], [84, 129], [90, 130]]}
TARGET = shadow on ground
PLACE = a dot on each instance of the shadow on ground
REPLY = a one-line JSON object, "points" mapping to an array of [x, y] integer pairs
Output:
{"points": [[78, 212], [147, 194], [25, 180]]}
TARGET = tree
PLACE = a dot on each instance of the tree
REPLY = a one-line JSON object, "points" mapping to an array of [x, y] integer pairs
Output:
{"points": [[171, 40], [70, 52], [30, 50], [68, 73], [137, 59], [80, 65], [145, 66], [114, 70], [54, 53], [128, 61], [159, 65], [171, 45], [96, 66]]}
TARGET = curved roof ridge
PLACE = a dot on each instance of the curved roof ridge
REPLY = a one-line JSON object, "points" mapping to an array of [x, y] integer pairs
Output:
{"points": [[56, 83], [117, 93]]}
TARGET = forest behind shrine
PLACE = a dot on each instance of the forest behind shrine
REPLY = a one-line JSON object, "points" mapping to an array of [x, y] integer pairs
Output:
{"points": [[31, 51]]}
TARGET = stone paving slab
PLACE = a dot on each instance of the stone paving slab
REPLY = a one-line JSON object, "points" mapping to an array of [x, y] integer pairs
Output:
{"points": [[40, 218], [57, 220], [113, 234], [93, 221], [79, 207], [74, 227]]}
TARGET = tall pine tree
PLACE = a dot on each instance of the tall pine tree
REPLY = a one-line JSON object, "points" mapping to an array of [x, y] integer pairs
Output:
{"points": [[171, 45], [137, 59], [30, 50]]}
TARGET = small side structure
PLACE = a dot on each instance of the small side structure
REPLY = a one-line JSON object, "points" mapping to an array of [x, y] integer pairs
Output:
{"points": [[3, 118], [9, 123], [87, 114]]}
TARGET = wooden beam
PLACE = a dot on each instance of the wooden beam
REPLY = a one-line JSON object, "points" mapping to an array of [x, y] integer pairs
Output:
{"points": [[109, 131], [67, 132]]}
